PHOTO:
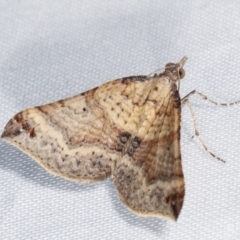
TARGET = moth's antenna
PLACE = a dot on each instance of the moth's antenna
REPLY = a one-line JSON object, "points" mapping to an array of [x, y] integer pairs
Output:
{"points": [[155, 71], [186, 100], [210, 100], [169, 65], [178, 86]]}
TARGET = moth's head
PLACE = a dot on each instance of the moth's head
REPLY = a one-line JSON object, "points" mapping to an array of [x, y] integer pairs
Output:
{"points": [[175, 70]]}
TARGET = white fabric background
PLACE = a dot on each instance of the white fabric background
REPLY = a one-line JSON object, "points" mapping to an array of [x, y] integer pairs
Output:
{"points": [[54, 49]]}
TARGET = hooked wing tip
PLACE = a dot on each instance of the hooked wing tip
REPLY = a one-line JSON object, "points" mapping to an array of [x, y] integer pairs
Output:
{"points": [[15, 127], [12, 129]]}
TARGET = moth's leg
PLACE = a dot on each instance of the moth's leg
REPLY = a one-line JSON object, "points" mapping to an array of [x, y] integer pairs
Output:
{"points": [[186, 101], [208, 99]]}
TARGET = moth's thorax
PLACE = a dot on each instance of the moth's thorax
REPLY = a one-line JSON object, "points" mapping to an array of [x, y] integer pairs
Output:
{"points": [[165, 87], [172, 74]]}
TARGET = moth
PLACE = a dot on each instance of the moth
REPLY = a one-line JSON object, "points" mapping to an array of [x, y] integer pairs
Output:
{"points": [[127, 129]]}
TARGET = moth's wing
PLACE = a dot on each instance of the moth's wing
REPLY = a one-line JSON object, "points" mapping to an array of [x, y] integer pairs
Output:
{"points": [[149, 177], [128, 127], [76, 138]]}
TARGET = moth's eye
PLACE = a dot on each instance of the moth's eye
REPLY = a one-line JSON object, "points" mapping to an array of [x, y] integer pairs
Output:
{"points": [[181, 73], [169, 65]]}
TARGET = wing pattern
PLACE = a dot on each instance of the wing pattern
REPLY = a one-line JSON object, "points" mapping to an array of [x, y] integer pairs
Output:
{"points": [[128, 129]]}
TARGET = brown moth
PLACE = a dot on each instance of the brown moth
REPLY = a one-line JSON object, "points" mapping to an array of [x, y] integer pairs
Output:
{"points": [[127, 129]]}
